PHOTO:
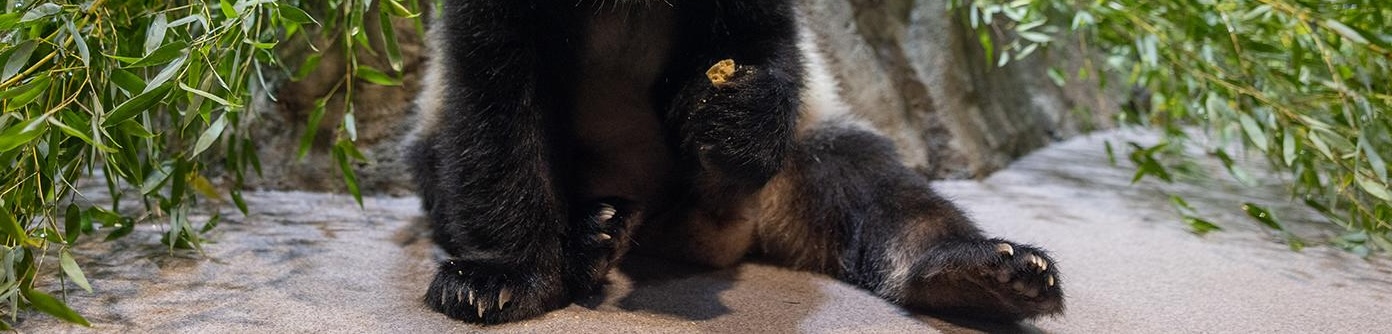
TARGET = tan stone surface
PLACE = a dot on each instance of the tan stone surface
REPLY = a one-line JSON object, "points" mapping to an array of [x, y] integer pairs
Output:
{"points": [[307, 262]]}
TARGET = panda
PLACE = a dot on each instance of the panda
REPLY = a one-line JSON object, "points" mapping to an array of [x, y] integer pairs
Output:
{"points": [[549, 131]]}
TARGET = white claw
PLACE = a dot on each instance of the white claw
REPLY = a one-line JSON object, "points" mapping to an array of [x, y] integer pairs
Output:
{"points": [[603, 237], [1006, 249], [471, 296], [1050, 280], [607, 212], [1039, 263], [504, 297], [481, 308]]}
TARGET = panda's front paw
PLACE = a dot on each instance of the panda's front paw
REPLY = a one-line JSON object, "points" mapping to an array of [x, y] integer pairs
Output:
{"points": [[742, 127], [492, 293]]}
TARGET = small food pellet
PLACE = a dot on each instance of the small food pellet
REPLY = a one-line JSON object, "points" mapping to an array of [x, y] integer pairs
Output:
{"points": [[721, 72]]}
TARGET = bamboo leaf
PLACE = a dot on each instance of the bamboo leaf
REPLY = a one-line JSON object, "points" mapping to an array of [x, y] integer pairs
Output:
{"points": [[205, 187], [155, 180], [196, 17], [260, 45], [399, 10], [210, 135], [18, 59], [227, 9], [136, 105], [21, 133], [212, 224], [1288, 149], [161, 55], [1321, 146], [1199, 226], [389, 39], [42, 11], [374, 76], [239, 201], [1373, 187], [135, 129], [1262, 215], [350, 125], [340, 156], [123, 228], [207, 95], [1237, 172], [128, 81], [21, 96], [169, 72], [10, 20], [73, 271], [72, 224], [1181, 205], [79, 135], [47, 304], [292, 14], [154, 37], [80, 42], [1343, 30], [1254, 131], [310, 64], [311, 128], [1378, 165], [1035, 37], [11, 228]]}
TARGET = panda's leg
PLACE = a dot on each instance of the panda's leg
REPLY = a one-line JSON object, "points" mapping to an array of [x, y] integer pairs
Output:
{"points": [[732, 137], [845, 206], [489, 178], [737, 132]]}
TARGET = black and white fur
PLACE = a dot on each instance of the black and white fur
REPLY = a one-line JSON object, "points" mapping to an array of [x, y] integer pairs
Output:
{"points": [[551, 129]]}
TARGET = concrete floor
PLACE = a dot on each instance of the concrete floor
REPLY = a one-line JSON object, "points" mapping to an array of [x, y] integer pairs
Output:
{"points": [[305, 262]]}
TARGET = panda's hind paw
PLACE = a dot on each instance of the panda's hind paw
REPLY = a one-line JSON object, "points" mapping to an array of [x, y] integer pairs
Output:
{"points": [[1025, 276], [989, 279]]}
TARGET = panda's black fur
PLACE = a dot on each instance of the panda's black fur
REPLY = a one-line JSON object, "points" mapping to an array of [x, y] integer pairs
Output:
{"points": [[551, 129]]}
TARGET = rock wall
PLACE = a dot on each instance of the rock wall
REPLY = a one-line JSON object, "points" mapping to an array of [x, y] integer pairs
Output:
{"points": [[916, 71], [910, 67]]}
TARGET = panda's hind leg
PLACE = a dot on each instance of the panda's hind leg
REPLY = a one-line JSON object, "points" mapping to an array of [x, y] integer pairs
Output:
{"points": [[844, 205]]}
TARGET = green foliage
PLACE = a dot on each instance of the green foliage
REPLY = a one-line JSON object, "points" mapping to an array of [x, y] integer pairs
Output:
{"points": [[137, 93], [1304, 83]]}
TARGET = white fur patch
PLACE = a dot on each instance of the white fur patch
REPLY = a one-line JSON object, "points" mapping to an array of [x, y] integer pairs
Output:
{"points": [[821, 92], [430, 100]]}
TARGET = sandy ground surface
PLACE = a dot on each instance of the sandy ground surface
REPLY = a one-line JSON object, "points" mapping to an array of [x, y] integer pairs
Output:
{"points": [[305, 262]]}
